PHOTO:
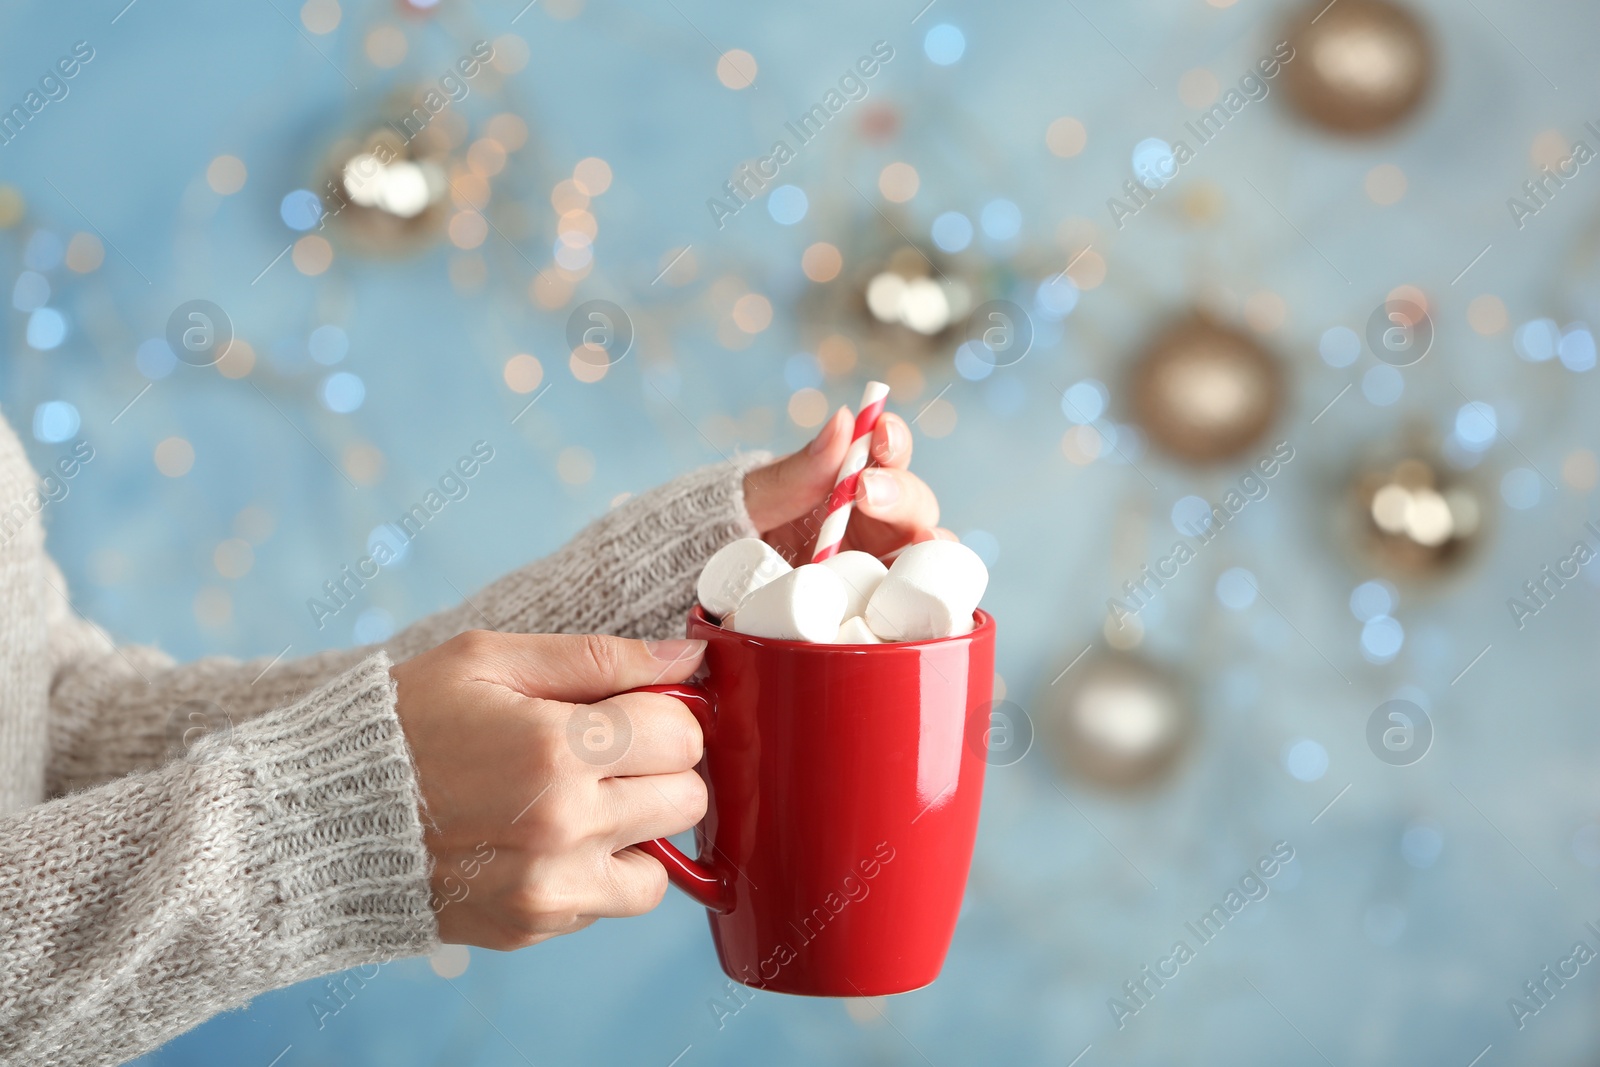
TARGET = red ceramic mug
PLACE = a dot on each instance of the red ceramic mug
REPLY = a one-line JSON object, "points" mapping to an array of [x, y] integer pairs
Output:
{"points": [[844, 784]]}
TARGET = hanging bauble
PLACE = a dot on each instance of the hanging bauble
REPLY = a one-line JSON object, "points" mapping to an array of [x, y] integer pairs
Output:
{"points": [[1415, 517], [895, 300], [1205, 391], [906, 291], [386, 195], [1359, 66], [1117, 721]]}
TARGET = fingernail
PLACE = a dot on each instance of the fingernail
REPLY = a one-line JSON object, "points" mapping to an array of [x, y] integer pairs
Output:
{"points": [[882, 488], [675, 651], [824, 436], [885, 452], [894, 441]]}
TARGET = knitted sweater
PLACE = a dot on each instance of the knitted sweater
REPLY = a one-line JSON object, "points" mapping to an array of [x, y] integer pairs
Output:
{"points": [[175, 839]]}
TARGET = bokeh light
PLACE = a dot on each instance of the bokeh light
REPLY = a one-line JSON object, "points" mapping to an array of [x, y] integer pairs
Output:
{"points": [[1001, 220], [47, 328], [386, 46], [1305, 760], [155, 358], [312, 255], [787, 204], [300, 209], [899, 182], [31, 291], [944, 44], [1065, 137], [736, 69], [343, 392], [1154, 162], [951, 231], [1372, 599], [174, 457], [808, 407], [1476, 425], [821, 262], [1535, 340], [321, 16], [328, 344], [55, 421], [592, 175], [226, 175], [1339, 346], [1236, 588], [1519, 488], [85, 253], [523, 373], [1382, 385], [1085, 401]]}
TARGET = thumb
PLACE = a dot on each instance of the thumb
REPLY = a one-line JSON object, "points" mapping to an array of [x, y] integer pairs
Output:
{"points": [[798, 483], [586, 668]]}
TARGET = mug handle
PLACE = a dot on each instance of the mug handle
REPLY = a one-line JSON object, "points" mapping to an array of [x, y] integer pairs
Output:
{"points": [[694, 877]]}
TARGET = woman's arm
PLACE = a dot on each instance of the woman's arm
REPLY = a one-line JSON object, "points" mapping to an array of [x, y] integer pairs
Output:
{"points": [[287, 843], [121, 710], [289, 848], [631, 573]]}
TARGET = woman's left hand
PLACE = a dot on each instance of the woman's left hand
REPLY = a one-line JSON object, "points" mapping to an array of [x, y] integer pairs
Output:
{"points": [[893, 507]]}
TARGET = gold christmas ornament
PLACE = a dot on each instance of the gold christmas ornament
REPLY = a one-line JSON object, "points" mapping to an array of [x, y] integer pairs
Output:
{"points": [[1204, 391], [907, 292], [896, 301], [384, 195], [1414, 517], [1117, 721], [1360, 66]]}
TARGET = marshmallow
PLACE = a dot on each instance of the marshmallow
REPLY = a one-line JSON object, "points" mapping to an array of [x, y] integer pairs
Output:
{"points": [[861, 571], [807, 604], [931, 591], [856, 632], [736, 571]]}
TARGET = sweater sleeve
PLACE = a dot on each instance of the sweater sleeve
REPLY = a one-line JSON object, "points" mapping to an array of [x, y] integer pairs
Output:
{"points": [[117, 710], [275, 851]]}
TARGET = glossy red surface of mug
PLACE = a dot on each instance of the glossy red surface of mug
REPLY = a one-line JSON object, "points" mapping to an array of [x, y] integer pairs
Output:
{"points": [[844, 785]]}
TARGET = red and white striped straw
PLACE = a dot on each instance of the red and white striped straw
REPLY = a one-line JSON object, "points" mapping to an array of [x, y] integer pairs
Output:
{"points": [[842, 500]]}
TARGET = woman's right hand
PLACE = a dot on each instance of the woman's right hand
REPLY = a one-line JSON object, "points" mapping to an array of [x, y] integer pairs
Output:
{"points": [[536, 778]]}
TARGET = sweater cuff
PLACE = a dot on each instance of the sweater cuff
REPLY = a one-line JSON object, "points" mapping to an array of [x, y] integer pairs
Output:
{"points": [[337, 840]]}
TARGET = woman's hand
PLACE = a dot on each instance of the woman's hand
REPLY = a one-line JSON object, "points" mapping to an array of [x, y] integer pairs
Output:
{"points": [[893, 507], [536, 779]]}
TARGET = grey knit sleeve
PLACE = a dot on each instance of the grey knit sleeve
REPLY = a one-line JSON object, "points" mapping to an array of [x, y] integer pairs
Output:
{"points": [[116, 710], [274, 851]]}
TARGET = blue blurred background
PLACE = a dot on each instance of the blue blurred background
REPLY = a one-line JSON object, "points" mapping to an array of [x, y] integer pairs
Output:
{"points": [[188, 159]]}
